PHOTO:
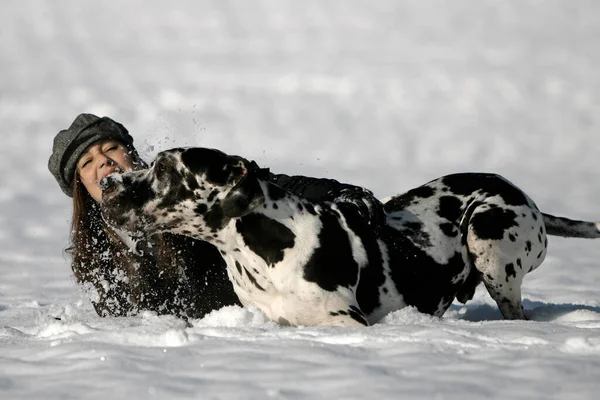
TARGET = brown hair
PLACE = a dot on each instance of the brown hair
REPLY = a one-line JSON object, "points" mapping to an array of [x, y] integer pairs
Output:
{"points": [[119, 281]]}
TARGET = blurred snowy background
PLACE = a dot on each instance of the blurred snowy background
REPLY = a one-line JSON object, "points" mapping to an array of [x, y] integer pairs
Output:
{"points": [[384, 94]]}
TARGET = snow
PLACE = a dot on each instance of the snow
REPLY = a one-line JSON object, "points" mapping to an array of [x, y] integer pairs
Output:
{"points": [[386, 94]]}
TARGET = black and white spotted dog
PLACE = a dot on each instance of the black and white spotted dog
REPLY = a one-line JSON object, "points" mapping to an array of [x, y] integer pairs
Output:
{"points": [[306, 263]]}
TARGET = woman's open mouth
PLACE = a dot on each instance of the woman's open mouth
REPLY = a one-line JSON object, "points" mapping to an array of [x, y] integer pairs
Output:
{"points": [[117, 170]]}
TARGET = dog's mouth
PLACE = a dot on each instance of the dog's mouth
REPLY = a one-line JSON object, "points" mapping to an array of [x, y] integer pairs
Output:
{"points": [[109, 186]]}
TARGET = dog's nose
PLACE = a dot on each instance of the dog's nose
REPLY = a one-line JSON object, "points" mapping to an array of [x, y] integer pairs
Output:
{"points": [[106, 184]]}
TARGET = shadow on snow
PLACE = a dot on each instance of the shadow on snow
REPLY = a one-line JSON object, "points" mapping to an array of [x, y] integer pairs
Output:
{"points": [[534, 310]]}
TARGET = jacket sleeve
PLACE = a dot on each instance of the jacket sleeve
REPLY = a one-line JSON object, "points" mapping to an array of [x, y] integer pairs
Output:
{"points": [[323, 189], [118, 282], [103, 281], [314, 189]]}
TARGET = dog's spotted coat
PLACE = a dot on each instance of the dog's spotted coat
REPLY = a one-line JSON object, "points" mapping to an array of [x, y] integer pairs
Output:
{"points": [[306, 263]]}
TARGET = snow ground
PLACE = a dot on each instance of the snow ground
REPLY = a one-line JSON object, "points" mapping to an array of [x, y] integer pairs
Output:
{"points": [[385, 94]]}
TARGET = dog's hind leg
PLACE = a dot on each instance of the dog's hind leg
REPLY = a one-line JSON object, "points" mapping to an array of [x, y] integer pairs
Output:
{"points": [[501, 277], [505, 243], [507, 295]]}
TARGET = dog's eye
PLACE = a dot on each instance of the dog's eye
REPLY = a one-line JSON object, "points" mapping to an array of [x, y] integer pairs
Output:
{"points": [[161, 168]]}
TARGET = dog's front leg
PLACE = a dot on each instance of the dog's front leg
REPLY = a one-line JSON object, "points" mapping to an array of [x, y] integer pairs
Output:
{"points": [[337, 308]]}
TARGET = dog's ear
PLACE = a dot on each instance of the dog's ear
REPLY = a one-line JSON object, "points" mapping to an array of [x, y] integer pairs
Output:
{"points": [[247, 194]]}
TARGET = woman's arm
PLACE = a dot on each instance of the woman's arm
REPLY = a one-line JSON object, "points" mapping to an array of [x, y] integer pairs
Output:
{"points": [[323, 189]]}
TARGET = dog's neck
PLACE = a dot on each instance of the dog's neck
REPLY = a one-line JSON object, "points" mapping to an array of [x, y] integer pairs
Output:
{"points": [[284, 206], [273, 226]]}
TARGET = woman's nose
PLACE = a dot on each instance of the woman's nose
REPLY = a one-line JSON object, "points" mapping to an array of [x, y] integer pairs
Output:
{"points": [[104, 161]]}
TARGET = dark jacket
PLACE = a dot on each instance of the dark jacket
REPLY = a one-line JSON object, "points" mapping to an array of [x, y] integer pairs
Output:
{"points": [[202, 284]]}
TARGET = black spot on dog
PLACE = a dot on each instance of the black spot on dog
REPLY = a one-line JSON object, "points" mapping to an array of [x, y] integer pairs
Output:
{"points": [[207, 161], [512, 237], [276, 193], [510, 271], [450, 208], [423, 192], [275, 206], [528, 246], [449, 229], [540, 254], [468, 183], [212, 196], [332, 264], [191, 181], [311, 210], [266, 237], [404, 200], [238, 266], [201, 209], [493, 223], [300, 208], [253, 281]]}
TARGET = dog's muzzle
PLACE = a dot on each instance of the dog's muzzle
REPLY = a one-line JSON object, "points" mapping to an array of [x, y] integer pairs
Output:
{"points": [[109, 187]]}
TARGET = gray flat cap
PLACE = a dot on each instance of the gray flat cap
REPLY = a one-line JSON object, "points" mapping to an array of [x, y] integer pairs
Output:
{"points": [[70, 143]]}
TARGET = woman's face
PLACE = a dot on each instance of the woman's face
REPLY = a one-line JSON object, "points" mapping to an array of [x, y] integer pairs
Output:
{"points": [[102, 159]]}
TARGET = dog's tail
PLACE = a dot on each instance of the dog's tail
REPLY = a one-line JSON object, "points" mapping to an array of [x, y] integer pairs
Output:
{"points": [[565, 227]]}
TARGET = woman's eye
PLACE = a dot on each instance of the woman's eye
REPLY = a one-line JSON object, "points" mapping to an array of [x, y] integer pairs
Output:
{"points": [[85, 163], [112, 148]]}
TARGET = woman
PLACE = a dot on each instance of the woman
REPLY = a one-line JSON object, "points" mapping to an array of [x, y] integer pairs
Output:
{"points": [[166, 273]]}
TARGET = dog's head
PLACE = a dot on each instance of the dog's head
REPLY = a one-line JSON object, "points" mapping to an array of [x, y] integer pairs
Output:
{"points": [[191, 191]]}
